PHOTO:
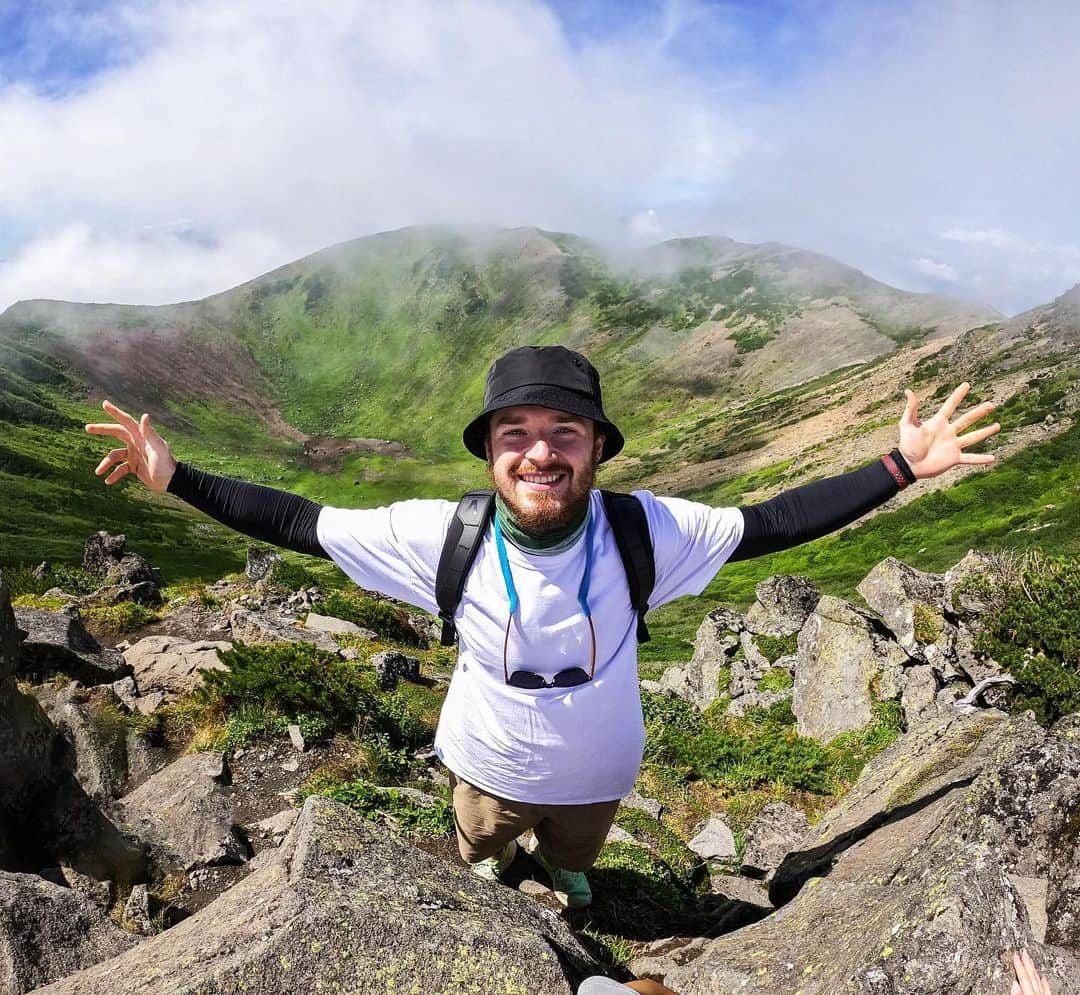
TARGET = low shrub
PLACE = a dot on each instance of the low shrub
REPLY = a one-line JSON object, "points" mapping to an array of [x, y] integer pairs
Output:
{"points": [[405, 815], [1035, 636], [774, 647], [123, 617], [386, 618], [775, 679], [296, 682]]}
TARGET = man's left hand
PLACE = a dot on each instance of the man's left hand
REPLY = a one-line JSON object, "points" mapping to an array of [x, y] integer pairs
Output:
{"points": [[934, 446]]}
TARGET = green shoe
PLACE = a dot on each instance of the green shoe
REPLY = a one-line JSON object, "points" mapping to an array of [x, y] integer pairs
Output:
{"points": [[570, 887], [494, 867]]}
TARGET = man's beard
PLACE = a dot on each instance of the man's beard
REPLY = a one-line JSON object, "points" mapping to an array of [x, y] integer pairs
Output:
{"points": [[546, 512]]}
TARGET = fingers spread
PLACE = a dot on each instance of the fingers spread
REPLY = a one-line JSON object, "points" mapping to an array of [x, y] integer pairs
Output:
{"points": [[117, 431], [911, 409], [114, 457], [983, 433], [972, 416], [952, 402], [121, 416], [118, 474]]}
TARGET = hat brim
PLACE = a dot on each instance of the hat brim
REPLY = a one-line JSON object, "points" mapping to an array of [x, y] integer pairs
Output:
{"points": [[545, 396]]}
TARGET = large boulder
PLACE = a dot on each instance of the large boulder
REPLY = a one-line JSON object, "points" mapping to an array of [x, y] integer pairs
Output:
{"points": [[774, 833], [699, 681], [845, 662], [912, 604], [783, 605], [44, 812], [58, 643], [186, 813], [340, 906], [170, 666], [125, 576], [47, 932], [92, 726], [937, 864]]}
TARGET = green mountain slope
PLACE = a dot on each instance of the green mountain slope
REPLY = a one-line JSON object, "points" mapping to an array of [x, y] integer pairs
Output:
{"points": [[733, 370]]}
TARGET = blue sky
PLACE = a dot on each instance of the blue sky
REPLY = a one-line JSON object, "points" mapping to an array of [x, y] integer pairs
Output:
{"points": [[164, 149]]}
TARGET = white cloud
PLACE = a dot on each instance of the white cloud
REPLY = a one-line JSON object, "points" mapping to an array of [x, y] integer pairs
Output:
{"points": [[269, 122], [936, 270], [273, 128], [78, 263]]}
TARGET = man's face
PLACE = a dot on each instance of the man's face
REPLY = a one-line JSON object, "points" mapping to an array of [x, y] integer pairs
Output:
{"points": [[543, 463]]}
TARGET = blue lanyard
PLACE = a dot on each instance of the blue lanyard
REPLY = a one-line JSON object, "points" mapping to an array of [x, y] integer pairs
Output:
{"points": [[508, 579]]}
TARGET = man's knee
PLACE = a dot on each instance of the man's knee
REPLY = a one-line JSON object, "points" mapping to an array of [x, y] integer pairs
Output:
{"points": [[484, 823], [572, 837]]}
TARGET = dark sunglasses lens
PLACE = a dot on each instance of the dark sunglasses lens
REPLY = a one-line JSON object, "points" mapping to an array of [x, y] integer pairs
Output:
{"points": [[570, 678], [526, 679]]}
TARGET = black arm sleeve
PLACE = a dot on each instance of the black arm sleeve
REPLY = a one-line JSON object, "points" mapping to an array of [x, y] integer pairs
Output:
{"points": [[816, 509], [263, 513]]}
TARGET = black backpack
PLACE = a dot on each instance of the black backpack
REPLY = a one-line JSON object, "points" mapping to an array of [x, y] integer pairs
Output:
{"points": [[475, 511]]}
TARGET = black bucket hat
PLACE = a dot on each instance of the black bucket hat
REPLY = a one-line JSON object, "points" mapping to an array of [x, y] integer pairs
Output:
{"points": [[550, 376]]}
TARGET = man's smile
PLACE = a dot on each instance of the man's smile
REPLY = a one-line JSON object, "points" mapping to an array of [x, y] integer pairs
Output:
{"points": [[542, 481]]}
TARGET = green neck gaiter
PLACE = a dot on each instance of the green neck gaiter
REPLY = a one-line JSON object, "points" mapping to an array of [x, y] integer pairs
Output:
{"points": [[554, 541]]}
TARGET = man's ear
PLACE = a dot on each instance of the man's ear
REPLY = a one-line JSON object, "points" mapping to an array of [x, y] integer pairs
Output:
{"points": [[598, 446]]}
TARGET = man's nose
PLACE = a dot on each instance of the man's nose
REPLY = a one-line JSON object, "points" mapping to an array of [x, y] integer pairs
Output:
{"points": [[539, 451]]}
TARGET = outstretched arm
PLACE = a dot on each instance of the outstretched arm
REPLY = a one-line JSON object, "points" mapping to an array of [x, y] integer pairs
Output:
{"points": [[926, 449], [263, 513]]}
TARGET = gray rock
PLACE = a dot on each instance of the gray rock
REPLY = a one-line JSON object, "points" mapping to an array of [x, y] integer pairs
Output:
{"points": [[143, 593], [137, 911], [391, 666], [616, 834], [260, 562], [40, 800], [332, 625], [736, 888], [342, 907], [650, 806], [975, 666], [91, 724], [775, 831], [919, 695], [757, 699], [186, 812], [661, 957], [843, 660], [102, 551], [58, 643], [920, 859], [714, 841], [903, 597], [716, 640], [970, 585], [783, 605], [428, 629], [47, 932], [269, 627], [296, 737], [276, 827], [170, 666]]}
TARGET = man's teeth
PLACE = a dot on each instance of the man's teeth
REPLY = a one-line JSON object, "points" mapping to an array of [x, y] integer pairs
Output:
{"points": [[541, 478]]}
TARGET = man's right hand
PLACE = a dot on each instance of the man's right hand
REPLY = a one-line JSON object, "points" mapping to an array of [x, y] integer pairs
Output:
{"points": [[145, 453]]}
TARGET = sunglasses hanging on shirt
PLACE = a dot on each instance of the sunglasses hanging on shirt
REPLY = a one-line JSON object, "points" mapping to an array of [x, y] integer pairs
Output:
{"points": [[572, 676]]}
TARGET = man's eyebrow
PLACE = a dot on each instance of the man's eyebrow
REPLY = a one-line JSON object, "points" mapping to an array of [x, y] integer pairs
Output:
{"points": [[563, 419]]}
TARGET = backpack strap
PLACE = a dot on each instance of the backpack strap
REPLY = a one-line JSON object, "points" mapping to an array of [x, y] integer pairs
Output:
{"points": [[463, 538], [631, 528]]}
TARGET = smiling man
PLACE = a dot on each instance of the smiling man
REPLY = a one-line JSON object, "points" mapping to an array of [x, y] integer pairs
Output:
{"points": [[542, 725]]}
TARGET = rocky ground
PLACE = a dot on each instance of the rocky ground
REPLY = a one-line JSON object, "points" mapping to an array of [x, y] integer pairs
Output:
{"points": [[150, 844]]}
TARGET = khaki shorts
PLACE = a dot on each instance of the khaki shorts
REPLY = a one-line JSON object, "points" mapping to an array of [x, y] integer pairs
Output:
{"points": [[571, 836]]}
